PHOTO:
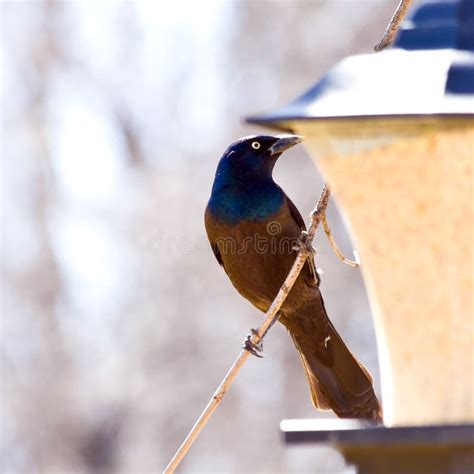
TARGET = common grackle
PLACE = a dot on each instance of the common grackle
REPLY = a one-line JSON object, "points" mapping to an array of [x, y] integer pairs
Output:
{"points": [[253, 227]]}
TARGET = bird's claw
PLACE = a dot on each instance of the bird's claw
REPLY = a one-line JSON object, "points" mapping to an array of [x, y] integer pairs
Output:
{"points": [[304, 243], [249, 346]]}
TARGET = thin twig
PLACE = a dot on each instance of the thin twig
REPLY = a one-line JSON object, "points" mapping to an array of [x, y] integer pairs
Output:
{"points": [[392, 27], [332, 242], [271, 316]]}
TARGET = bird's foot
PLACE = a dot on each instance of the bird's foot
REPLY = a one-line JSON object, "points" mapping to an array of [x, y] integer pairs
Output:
{"points": [[249, 346], [304, 244]]}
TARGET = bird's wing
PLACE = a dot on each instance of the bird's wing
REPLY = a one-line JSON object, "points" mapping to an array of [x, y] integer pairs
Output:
{"points": [[314, 277], [296, 214], [212, 240], [215, 250]]}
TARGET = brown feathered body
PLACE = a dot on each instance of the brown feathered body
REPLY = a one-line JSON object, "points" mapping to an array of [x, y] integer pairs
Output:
{"points": [[257, 253], [257, 256]]}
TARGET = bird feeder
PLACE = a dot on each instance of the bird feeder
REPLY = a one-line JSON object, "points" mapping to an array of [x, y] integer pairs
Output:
{"points": [[393, 134]]}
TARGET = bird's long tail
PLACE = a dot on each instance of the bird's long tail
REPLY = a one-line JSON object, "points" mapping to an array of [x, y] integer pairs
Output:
{"points": [[337, 380]]}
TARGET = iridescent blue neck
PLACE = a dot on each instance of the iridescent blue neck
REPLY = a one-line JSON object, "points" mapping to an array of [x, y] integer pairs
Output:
{"points": [[235, 199]]}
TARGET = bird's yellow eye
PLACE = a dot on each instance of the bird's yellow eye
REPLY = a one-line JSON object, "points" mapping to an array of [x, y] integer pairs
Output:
{"points": [[255, 145]]}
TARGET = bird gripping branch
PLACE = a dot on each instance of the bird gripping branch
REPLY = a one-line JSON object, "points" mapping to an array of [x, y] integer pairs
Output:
{"points": [[255, 232]]}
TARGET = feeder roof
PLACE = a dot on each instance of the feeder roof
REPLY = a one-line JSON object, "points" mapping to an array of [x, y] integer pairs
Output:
{"points": [[429, 71]]}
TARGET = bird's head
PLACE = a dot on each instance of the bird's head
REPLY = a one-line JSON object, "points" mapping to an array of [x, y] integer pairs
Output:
{"points": [[254, 156]]}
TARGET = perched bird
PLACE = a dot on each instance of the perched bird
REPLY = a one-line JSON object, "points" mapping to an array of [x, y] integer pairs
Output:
{"points": [[253, 226]]}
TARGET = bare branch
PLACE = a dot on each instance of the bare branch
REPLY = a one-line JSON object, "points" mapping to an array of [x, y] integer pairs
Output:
{"points": [[393, 26], [332, 242], [271, 316]]}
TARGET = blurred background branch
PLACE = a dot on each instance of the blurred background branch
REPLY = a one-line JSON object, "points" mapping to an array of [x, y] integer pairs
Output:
{"points": [[113, 117]]}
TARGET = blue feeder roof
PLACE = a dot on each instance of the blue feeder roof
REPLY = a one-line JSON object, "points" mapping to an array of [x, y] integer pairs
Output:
{"points": [[428, 71]]}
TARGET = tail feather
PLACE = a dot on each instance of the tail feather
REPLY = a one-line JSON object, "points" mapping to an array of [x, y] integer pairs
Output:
{"points": [[317, 396], [337, 380]]}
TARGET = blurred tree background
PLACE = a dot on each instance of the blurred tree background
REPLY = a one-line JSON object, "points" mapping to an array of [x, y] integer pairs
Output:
{"points": [[117, 324]]}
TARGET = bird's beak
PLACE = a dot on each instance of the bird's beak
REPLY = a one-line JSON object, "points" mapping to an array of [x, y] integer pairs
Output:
{"points": [[283, 143]]}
